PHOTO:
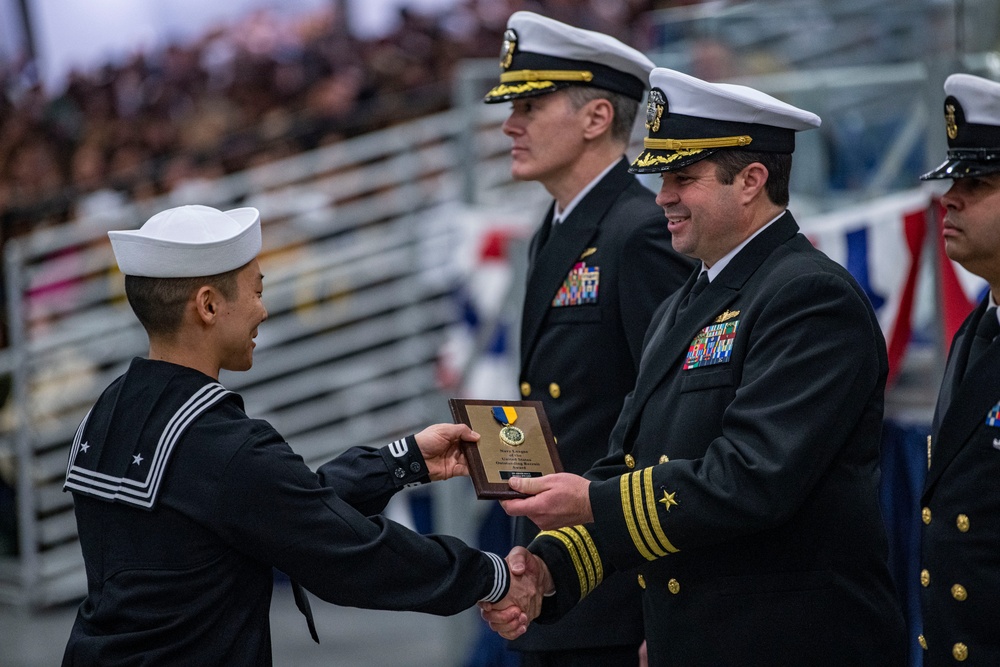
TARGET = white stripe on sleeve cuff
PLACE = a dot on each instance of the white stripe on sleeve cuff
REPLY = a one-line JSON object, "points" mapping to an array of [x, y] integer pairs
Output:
{"points": [[501, 577]]}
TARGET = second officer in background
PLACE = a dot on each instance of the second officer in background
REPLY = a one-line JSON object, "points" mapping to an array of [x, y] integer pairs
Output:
{"points": [[599, 265]]}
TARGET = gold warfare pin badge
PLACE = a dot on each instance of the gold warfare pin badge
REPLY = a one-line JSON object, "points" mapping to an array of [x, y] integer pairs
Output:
{"points": [[950, 125], [654, 109], [507, 48]]}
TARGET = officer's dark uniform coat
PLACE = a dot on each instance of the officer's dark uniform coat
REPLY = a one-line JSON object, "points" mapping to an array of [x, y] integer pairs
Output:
{"points": [[181, 573], [960, 557], [581, 360], [742, 491]]}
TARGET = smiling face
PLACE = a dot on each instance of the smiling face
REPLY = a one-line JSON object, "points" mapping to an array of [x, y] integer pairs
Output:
{"points": [[547, 135], [238, 319], [703, 215], [971, 227]]}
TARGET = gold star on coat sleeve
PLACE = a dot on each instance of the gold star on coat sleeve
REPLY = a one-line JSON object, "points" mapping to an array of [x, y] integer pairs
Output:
{"points": [[668, 499]]}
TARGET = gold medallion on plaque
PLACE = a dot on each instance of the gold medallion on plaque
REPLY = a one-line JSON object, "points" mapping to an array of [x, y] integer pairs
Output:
{"points": [[509, 435], [512, 435]]}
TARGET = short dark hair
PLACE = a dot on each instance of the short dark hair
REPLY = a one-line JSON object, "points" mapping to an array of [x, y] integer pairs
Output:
{"points": [[625, 108], [779, 170], [159, 302]]}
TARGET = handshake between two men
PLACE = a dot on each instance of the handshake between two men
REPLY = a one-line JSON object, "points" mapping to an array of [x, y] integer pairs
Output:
{"points": [[554, 501]]}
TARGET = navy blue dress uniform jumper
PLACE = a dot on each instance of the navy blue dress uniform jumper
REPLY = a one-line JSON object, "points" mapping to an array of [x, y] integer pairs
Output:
{"points": [[580, 357], [741, 487], [184, 505], [960, 508]]}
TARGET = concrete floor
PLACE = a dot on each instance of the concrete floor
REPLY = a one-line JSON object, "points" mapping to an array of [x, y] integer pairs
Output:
{"points": [[349, 637]]}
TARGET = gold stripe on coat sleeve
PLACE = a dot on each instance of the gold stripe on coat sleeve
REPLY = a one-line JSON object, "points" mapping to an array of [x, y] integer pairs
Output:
{"points": [[575, 557], [654, 517], [627, 509]]}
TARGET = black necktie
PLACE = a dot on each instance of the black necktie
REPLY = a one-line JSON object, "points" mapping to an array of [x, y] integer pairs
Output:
{"points": [[696, 289], [302, 602], [549, 227], [987, 330]]}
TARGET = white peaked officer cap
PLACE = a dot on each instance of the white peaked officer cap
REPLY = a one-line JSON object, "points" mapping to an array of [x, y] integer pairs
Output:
{"points": [[972, 123], [689, 119], [188, 242], [541, 55]]}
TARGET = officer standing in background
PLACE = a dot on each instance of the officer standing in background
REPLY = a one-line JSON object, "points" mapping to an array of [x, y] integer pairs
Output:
{"points": [[960, 548], [741, 483], [599, 265], [185, 504]]}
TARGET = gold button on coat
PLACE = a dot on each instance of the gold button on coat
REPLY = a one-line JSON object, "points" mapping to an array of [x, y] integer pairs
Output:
{"points": [[925, 578], [962, 521], [960, 651], [922, 642], [525, 389], [958, 592], [925, 514], [629, 461], [642, 581], [554, 390], [664, 459], [674, 586]]}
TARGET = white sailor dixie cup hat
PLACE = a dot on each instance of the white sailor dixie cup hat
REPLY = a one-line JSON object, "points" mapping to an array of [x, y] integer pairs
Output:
{"points": [[689, 119], [972, 122], [189, 242], [541, 55]]}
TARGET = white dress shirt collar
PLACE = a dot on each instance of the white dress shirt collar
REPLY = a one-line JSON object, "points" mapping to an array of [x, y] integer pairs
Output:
{"points": [[558, 216], [717, 268]]}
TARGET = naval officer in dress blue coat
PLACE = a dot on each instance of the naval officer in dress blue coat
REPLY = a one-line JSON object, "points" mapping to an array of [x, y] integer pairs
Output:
{"points": [[741, 485], [599, 265], [960, 547]]}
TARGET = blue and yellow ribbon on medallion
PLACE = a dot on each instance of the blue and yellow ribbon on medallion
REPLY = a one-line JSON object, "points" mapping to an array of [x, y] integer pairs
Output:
{"points": [[506, 415]]}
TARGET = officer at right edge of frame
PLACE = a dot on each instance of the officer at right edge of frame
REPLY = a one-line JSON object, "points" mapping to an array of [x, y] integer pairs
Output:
{"points": [[960, 545]]}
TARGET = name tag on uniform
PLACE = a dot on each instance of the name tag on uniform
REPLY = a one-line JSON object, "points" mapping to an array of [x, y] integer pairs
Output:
{"points": [[993, 416], [713, 345], [579, 287]]}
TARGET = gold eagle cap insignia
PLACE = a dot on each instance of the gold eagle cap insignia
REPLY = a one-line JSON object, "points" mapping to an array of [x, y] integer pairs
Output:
{"points": [[951, 127], [588, 252], [507, 49], [726, 316]]}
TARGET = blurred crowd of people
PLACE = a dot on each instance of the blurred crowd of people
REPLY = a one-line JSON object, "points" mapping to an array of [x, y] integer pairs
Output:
{"points": [[261, 89]]}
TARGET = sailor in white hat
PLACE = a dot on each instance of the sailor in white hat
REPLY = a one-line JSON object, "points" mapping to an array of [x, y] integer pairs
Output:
{"points": [[189, 241], [740, 483], [961, 501], [599, 264], [185, 505]]}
